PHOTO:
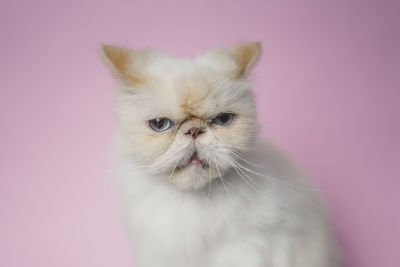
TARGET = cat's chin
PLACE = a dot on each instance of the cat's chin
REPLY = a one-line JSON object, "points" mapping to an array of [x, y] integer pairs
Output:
{"points": [[193, 176]]}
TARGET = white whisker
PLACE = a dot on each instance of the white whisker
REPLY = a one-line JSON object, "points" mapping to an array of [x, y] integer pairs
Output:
{"points": [[209, 184], [222, 180], [289, 188], [173, 170], [255, 189], [276, 179]]}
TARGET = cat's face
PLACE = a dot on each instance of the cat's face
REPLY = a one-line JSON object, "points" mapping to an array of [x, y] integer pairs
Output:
{"points": [[185, 120]]}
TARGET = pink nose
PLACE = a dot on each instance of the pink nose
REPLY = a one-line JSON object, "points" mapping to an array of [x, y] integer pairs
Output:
{"points": [[194, 132]]}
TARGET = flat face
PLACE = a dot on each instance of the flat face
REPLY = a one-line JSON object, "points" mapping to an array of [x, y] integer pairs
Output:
{"points": [[186, 120]]}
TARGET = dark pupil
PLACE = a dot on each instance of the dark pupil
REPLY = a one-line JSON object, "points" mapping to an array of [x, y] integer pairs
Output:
{"points": [[224, 118], [159, 123]]}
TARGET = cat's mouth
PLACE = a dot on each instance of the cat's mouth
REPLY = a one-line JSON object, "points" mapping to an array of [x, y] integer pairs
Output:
{"points": [[194, 161]]}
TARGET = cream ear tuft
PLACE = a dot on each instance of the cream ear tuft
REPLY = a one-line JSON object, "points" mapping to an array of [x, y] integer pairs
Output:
{"points": [[120, 62], [246, 56]]}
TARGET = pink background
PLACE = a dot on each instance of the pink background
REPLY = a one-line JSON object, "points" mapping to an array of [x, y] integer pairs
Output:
{"points": [[327, 88]]}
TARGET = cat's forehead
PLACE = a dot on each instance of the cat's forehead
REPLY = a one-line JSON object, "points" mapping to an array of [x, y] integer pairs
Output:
{"points": [[183, 88], [191, 93]]}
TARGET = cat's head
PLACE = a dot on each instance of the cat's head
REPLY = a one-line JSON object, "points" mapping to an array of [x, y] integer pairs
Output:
{"points": [[185, 120]]}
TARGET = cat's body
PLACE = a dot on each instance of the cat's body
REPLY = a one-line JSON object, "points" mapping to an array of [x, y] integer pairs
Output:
{"points": [[260, 224], [197, 190]]}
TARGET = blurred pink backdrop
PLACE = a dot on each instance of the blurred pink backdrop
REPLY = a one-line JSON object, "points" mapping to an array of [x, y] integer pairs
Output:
{"points": [[327, 89]]}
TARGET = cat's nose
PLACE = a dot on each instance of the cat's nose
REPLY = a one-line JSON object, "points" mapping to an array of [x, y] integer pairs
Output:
{"points": [[195, 132]]}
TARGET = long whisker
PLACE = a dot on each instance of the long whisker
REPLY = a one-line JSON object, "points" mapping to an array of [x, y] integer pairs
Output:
{"points": [[209, 183], [277, 179], [173, 170], [222, 180], [240, 192], [255, 188], [235, 164], [248, 162], [209, 176], [289, 188]]}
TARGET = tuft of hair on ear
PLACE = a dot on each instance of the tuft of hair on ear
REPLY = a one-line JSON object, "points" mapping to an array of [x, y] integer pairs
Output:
{"points": [[120, 62], [245, 56]]}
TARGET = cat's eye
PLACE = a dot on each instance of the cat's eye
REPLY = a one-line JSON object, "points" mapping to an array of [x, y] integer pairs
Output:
{"points": [[160, 124], [223, 119]]}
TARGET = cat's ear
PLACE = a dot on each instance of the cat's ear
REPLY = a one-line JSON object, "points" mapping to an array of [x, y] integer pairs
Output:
{"points": [[121, 63], [245, 56]]}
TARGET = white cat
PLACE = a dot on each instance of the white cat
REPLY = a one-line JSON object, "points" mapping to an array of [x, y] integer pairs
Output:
{"points": [[197, 189]]}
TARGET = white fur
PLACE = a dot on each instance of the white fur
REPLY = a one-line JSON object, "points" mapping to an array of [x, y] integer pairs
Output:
{"points": [[269, 223], [252, 208]]}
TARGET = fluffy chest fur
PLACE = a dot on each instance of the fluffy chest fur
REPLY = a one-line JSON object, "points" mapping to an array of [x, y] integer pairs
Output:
{"points": [[175, 227]]}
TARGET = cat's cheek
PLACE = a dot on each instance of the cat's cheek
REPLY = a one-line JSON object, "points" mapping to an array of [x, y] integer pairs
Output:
{"points": [[237, 137], [148, 146]]}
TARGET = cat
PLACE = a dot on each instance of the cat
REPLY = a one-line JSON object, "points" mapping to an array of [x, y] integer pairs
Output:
{"points": [[198, 187]]}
